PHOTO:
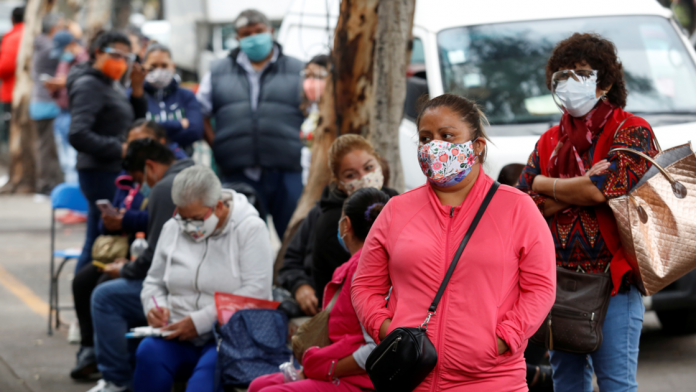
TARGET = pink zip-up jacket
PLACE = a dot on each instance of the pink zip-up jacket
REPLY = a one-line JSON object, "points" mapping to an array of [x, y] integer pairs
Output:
{"points": [[504, 284]]}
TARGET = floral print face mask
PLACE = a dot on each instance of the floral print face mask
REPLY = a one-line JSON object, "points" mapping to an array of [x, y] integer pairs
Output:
{"points": [[373, 179], [444, 163]]}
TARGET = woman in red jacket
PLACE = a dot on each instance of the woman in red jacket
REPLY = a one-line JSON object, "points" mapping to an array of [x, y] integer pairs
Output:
{"points": [[570, 175], [504, 284], [341, 365]]}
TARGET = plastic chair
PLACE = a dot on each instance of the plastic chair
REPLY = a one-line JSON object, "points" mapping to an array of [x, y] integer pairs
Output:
{"points": [[66, 195]]}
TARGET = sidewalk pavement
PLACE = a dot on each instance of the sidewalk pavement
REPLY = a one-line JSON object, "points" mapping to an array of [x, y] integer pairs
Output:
{"points": [[30, 360]]}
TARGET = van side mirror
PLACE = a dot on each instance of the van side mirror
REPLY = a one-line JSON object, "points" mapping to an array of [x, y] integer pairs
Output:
{"points": [[416, 87]]}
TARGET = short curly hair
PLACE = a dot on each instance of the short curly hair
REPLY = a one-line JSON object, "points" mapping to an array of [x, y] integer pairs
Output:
{"points": [[600, 54]]}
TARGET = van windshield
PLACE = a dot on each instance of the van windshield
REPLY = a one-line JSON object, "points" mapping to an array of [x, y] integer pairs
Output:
{"points": [[502, 66]]}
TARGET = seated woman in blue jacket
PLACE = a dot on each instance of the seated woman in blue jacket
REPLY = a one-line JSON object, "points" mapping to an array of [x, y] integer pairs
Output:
{"points": [[169, 105], [131, 202]]}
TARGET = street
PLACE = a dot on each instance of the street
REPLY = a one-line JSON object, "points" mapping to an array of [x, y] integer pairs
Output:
{"points": [[32, 361]]}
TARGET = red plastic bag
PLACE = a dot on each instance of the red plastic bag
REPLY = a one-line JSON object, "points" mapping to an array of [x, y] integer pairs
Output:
{"points": [[226, 304]]}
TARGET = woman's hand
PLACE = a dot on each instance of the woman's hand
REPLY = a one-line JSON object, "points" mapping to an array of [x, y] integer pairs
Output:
{"points": [[158, 318], [598, 168], [383, 329], [114, 269], [306, 298], [300, 375], [502, 346], [113, 222], [184, 329]]}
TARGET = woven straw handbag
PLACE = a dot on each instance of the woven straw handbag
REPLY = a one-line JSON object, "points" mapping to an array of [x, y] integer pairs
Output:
{"points": [[657, 219]]}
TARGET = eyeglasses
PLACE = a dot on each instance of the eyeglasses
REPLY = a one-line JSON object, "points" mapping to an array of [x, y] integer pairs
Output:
{"points": [[118, 55], [194, 222], [314, 75], [579, 75]]}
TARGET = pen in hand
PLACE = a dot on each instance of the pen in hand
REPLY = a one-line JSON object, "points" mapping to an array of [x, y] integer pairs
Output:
{"points": [[160, 309]]}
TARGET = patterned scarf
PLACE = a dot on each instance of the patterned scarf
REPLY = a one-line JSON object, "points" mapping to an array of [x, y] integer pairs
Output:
{"points": [[575, 138]]}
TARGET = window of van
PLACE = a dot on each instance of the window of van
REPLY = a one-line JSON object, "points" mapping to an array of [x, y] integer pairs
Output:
{"points": [[502, 66]]}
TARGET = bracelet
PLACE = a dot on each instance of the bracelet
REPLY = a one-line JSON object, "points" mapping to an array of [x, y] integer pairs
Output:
{"points": [[554, 189]]}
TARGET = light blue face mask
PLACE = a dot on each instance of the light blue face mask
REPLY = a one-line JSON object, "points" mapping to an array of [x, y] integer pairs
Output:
{"points": [[67, 57], [257, 46], [340, 239], [144, 188]]}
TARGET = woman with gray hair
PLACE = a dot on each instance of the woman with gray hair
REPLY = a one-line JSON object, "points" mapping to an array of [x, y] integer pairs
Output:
{"points": [[215, 242]]}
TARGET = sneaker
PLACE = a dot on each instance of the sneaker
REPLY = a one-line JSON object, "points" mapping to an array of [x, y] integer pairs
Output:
{"points": [[107, 386], [74, 336], [86, 367], [72, 218]]}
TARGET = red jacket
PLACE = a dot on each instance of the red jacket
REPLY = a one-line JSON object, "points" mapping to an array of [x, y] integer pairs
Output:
{"points": [[605, 218], [8, 61], [504, 284], [345, 331]]}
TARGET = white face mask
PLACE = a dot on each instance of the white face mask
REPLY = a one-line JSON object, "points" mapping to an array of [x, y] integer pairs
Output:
{"points": [[373, 179], [578, 94], [198, 230]]}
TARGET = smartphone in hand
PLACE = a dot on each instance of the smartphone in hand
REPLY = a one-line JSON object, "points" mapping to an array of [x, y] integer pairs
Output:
{"points": [[106, 208]]}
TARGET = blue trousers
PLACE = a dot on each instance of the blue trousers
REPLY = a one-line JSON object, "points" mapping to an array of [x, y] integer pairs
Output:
{"points": [[95, 185], [116, 308], [616, 361], [278, 191], [160, 362]]}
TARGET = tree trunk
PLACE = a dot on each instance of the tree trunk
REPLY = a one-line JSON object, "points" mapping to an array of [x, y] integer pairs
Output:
{"points": [[22, 132], [97, 16], [345, 106], [391, 59]]}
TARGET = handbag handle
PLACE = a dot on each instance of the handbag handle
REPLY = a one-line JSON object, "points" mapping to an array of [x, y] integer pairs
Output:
{"points": [[458, 254]]}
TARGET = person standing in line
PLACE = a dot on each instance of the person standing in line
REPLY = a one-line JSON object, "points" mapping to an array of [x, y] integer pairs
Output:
{"points": [[9, 47], [570, 176], [505, 282], [100, 118], [254, 95], [174, 108], [69, 52], [42, 108]]}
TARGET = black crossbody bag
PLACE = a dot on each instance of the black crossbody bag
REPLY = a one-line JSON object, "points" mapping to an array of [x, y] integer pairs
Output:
{"points": [[406, 356]]}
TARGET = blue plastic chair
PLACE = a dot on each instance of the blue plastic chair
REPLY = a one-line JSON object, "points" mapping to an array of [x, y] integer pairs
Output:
{"points": [[66, 195]]}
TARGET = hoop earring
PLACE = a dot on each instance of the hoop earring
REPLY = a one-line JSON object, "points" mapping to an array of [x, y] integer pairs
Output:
{"points": [[603, 97]]}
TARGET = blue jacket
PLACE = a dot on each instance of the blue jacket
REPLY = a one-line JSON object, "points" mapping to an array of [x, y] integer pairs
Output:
{"points": [[168, 106]]}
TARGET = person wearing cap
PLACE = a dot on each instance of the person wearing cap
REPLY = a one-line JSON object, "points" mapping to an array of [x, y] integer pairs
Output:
{"points": [[69, 52], [254, 95], [42, 108]]}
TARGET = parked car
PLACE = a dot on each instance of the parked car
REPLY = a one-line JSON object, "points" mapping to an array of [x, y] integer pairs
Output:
{"points": [[496, 52]]}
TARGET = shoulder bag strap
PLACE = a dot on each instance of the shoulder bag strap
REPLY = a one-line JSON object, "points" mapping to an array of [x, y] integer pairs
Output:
{"points": [[465, 240]]}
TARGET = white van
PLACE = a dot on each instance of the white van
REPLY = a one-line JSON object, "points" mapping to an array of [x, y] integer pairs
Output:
{"points": [[495, 52]]}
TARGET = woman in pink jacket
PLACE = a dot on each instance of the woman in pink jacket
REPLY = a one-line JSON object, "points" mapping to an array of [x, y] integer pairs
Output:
{"points": [[505, 282], [340, 366]]}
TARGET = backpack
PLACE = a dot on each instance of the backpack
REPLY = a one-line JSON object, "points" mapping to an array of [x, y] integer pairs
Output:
{"points": [[253, 343]]}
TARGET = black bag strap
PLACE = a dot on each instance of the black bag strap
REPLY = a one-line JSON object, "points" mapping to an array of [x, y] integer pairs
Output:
{"points": [[465, 240]]}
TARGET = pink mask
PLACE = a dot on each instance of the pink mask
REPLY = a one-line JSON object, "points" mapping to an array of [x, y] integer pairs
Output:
{"points": [[313, 88]]}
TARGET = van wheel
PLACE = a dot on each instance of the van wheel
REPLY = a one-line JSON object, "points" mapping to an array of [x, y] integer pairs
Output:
{"points": [[678, 322]]}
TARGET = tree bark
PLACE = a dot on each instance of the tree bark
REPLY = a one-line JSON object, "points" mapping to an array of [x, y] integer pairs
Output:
{"points": [[345, 106], [22, 133], [97, 16], [391, 60]]}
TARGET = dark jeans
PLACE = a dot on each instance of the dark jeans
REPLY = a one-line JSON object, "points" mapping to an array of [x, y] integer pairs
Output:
{"points": [[48, 171], [278, 190], [95, 185], [116, 308], [84, 283]]}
